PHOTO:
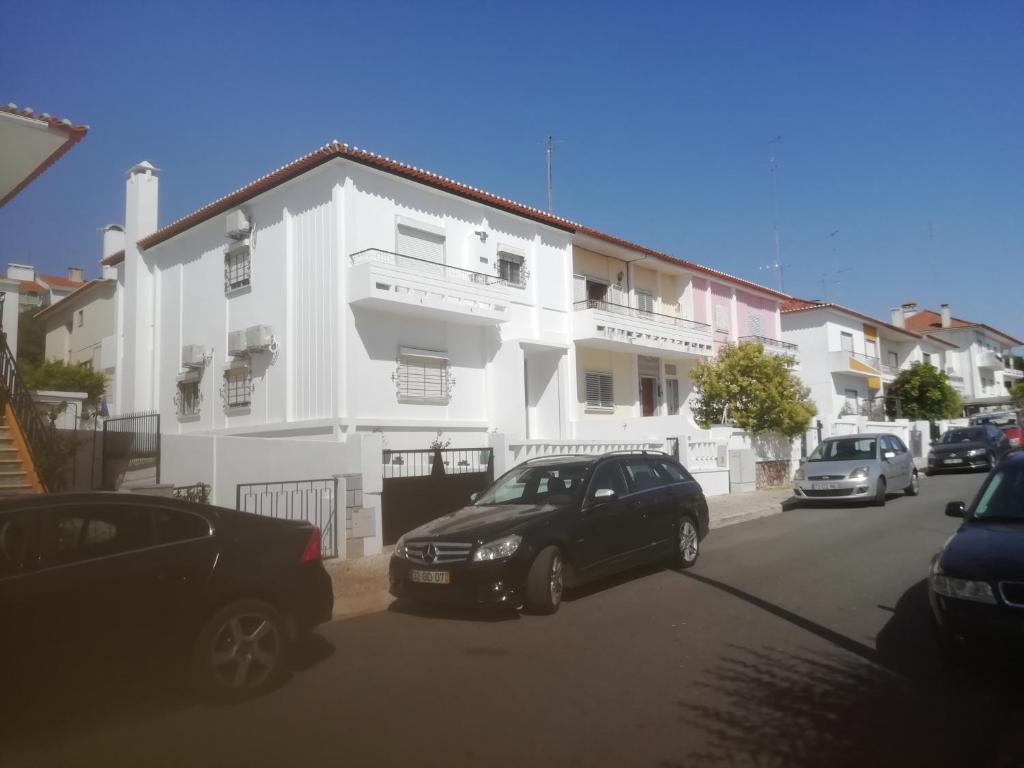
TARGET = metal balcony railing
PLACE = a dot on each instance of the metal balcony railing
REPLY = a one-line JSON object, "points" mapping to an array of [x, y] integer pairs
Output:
{"points": [[769, 342], [640, 314], [874, 362], [890, 370], [426, 267]]}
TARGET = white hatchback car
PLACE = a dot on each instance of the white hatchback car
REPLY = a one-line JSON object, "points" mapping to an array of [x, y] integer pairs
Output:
{"points": [[863, 467]]}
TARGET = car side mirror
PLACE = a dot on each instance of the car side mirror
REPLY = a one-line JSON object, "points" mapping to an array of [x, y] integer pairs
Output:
{"points": [[474, 496], [603, 495], [956, 509], [889, 455]]}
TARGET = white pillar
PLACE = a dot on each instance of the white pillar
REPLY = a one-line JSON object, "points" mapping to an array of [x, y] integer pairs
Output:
{"points": [[142, 192]]}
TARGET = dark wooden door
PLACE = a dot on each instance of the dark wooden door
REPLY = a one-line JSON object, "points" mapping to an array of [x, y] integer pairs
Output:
{"points": [[647, 396]]}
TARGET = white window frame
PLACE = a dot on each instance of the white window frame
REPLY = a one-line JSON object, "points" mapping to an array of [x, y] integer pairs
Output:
{"points": [[513, 259], [81, 317], [415, 364], [602, 380], [188, 396], [649, 301], [722, 318], [237, 268], [843, 336], [755, 326]]}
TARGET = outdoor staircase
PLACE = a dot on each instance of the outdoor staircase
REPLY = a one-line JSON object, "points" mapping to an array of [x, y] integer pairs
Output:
{"points": [[14, 475]]}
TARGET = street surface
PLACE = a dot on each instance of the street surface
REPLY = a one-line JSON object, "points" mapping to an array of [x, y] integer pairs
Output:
{"points": [[801, 639]]}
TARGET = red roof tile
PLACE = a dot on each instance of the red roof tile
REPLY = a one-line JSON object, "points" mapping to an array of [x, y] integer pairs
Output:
{"points": [[928, 321], [55, 281], [794, 304], [74, 135]]}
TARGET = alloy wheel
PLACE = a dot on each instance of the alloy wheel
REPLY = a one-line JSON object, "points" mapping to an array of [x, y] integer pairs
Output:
{"points": [[245, 651], [688, 541], [555, 579]]}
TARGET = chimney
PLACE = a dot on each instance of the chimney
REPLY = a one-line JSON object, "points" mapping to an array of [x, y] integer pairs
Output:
{"points": [[909, 309], [76, 274], [898, 318], [141, 208], [113, 240], [21, 272], [946, 315]]}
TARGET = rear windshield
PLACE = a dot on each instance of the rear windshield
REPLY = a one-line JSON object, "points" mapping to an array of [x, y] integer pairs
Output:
{"points": [[1003, 495], [963, 436], [847, 449], [536, 485]]}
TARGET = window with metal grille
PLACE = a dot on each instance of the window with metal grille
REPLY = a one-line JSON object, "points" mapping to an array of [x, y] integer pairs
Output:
{"points": [[188, 398], [237, 269], [510, 269], [600, 393], [423, 377], [237, 387]]}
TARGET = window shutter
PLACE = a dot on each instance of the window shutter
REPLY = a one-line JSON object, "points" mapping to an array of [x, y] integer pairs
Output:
{"points": [[644, 301], [599, 392], [616, 295], [419, 244], [423, 377], [754, 325], [721, 317]]}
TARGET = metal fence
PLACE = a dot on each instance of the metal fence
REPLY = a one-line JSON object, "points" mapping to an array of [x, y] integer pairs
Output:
{"points": [[199, 493], [640, 314], [315, 501], [440, 461], [129, 441]]}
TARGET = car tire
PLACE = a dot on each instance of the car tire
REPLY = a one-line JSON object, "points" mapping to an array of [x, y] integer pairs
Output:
{"points": [[915, 485], [544, 583], [241, 652], [687, 543], [991, 462], [929, 472], [880, 492]]}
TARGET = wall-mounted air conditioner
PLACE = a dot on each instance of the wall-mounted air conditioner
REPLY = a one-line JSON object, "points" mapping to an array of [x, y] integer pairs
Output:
{"points": [[259, 337], [238, 224], [238, 248], [236, 343], [193, 356]]}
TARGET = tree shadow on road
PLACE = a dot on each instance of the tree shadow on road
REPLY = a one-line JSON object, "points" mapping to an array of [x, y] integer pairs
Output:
{"points": [[851, 705]]}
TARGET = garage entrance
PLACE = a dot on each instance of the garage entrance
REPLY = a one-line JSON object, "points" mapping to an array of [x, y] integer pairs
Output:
{"points": [[420, 485]]}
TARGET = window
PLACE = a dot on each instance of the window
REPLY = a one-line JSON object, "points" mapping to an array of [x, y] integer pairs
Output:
{"points": [[597, 291], [871, 347], [755, 326], [845, 449], [535, 485], [675, 472], [645, 301], [237, 267], [852, 400], [600, 393], [846, 341], [88, 532], [672, 396], [927, 358], [423, 377], [172, 526], [894, 360], [188, 397], [238, 387], [897, 444], [642, 474], [81, 317], [510, 269], [722, 317], [609, 476], [420, 244]]}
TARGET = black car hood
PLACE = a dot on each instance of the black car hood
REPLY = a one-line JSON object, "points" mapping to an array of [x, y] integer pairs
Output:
{"points": [[989, 551], [481, 523], [944, 449]]}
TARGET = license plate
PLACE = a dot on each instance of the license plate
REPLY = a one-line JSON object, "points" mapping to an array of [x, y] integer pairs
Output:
{"points": [[824, 486], [430, 577], [953, 461]]}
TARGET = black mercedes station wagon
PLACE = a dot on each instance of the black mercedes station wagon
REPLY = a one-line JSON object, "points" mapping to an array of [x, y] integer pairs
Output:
{"points": [[554, 522]]}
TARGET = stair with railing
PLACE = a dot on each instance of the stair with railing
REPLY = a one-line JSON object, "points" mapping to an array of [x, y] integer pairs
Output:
{"points": [[28, 443]]}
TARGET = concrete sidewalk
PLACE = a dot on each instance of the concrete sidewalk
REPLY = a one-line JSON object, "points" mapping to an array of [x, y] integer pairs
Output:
{"points": [[361, 585]]}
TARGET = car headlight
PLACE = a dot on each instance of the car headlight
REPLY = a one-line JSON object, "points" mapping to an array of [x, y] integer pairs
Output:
{"points": [[859, 473], [801, 474], [400, 548], [976, 452], [962, 589], [498, 549]]}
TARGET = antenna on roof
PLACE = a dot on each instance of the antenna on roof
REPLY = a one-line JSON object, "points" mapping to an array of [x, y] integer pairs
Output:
{"points": [[776, 266], [825, 279], [551, 187]]}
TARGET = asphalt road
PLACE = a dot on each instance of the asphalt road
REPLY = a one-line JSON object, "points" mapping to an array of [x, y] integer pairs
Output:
{"points": [[801, 639]]}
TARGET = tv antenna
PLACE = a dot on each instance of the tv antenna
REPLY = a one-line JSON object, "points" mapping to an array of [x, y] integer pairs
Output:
{"points": [[550, 153], [826, 279], [776, 266]]}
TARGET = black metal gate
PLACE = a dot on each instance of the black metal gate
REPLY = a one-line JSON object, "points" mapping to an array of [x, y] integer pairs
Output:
{"points": [[315, 501], [129, 442], [423, 484]]}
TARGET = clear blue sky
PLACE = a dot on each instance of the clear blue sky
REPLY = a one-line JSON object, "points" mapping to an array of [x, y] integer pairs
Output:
{"points": [[898, 119]]}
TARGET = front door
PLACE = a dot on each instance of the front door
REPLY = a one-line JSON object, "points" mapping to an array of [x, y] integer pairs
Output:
{"points": [[647, 401]]}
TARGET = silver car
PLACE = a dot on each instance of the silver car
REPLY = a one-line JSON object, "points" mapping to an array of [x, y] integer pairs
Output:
{"points": [[862, 467]]}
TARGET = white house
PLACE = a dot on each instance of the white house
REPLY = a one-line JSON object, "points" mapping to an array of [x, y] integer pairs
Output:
{"points": [[849, 359], [977, 365]]}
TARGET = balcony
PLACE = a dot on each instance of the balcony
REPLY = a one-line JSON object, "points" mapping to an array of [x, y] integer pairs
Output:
{"points": [[621, 328], [990, 360], [855, 364], [889, 372], [1012, 373], [396, 283]]}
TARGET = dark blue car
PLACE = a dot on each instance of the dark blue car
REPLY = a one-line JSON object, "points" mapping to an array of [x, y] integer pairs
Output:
{"points": [[976, 585]]}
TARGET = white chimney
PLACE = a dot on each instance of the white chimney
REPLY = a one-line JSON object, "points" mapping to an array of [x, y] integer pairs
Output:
{"points": [[898, 318], [76, 274], [141, 208], [946, 316], [909, 308], [21, 272], [113, 241]]}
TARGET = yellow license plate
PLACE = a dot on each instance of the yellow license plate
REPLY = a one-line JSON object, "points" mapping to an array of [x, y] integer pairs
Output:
{"points": [[430, 577]]}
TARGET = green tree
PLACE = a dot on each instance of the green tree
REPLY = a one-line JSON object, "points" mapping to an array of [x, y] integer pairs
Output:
{"points": [[924, 394], [64, 377], [1017, 393], [31, 339], [753, 390]]}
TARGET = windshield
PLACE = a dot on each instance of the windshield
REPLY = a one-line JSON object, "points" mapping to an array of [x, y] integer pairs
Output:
{"points": [[535, 485], [845, 449], [1003, 495], [963, 436]]}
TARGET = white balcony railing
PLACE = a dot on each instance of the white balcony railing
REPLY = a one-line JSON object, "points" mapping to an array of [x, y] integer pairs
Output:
{"points": [[855, 363], [409, 285], [616, 326]]}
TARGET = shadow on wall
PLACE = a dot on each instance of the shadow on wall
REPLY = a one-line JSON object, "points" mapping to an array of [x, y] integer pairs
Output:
{"points": [[896, 704]]}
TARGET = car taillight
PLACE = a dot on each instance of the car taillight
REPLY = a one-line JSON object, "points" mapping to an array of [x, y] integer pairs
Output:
{"points": [[311, 552]]}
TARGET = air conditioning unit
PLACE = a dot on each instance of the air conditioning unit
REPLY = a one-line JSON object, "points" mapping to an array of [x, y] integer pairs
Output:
{"points": [[238, 224], [193, 356], [236, 343], [258, 337]]}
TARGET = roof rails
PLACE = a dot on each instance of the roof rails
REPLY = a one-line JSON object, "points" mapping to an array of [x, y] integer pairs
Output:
{"points": [[634, 453]]}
